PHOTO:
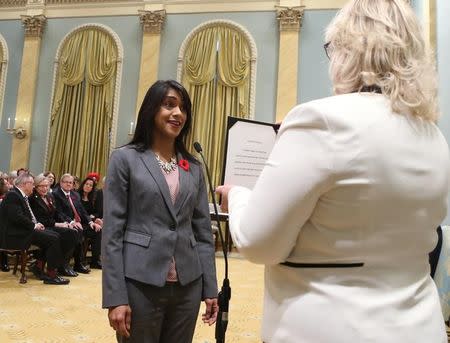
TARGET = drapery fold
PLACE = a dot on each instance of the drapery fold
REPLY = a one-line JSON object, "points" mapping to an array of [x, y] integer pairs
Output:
{"points": [[218, 81], [1, 68], [81, 115]]}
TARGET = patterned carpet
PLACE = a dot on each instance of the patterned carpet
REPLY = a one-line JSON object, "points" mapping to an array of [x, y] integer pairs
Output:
{"points": [[35, 313]]}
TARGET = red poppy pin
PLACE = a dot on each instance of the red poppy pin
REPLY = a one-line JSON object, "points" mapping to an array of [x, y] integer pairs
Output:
{"points": [[184, 164]]}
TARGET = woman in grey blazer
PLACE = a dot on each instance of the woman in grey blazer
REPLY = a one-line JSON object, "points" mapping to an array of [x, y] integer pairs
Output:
{"points": [[157, 246]]}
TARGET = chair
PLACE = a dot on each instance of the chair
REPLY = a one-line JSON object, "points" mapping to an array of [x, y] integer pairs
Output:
{"points": [[215, 232], [22, 256], [87, 241]]}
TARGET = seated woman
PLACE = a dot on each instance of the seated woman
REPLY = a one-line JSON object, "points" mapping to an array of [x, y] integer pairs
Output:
{"points": [[42, 204], [90, 200], [52, 180]]}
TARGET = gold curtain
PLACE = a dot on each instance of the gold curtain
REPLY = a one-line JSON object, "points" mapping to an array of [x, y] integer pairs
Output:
{"points": [[1, 61], [215, 99], [81, 115], [1, 74]]}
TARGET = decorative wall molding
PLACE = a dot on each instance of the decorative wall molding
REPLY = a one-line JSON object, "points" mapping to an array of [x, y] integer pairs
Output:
{"points": [[35, 2], [115, 114], [13, 3], [253, 54], [290, 18], [12, 9], [152, 21], [4, 70], [34, 25], [62, 2]]}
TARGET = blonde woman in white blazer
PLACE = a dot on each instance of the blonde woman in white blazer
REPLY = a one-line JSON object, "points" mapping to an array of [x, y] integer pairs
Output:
{"points": [[345, 211]]}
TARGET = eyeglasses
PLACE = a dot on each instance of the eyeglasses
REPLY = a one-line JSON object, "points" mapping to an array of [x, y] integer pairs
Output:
{"points": [[327, 48]]}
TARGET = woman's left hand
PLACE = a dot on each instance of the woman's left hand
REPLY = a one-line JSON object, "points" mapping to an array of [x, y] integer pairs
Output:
{"points": [[223, 191], [212, 308]]}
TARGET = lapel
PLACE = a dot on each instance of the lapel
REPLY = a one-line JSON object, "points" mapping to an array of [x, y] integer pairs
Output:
{"points": [[41, 203], [184, 186], [149, 159], [64, 199], [22, 202]]}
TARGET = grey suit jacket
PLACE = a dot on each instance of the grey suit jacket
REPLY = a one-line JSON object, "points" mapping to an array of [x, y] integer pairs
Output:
{"points": [[143, 229]]}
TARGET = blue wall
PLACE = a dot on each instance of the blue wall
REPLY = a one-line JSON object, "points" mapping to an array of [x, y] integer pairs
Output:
{"points": [[12, 32], [314, 81]]}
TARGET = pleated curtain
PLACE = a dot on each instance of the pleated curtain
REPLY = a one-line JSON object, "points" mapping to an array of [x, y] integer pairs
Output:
{"points": [[81, 114], [218, 81]]}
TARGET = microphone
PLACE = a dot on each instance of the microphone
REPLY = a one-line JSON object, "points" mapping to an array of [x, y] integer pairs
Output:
{"points": [[225, 292]]}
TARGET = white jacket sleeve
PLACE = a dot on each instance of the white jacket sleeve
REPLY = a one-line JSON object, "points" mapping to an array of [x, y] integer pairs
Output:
{"points": [[265, 222]]}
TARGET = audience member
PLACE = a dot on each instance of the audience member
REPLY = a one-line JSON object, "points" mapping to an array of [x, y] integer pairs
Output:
{"points": [[76, 182], [11, 178], [68, 204], [4, 267], [45, 212], [21, 229], [21, 171], [89, 199], [3, 188], [52, 179]]}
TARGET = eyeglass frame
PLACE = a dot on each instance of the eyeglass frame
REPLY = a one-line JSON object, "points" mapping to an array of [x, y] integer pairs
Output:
{"points": [[326, 46]]}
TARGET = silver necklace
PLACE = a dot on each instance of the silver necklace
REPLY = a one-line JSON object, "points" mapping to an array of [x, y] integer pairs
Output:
{"points": [[167, 167]]}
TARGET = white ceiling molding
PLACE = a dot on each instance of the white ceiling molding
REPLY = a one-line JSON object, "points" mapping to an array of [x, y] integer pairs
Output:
{"points": [[13, 9]]}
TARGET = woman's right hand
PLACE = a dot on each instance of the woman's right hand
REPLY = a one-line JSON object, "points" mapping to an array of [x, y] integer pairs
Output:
{"points": [[223, 191], [120, 319]]}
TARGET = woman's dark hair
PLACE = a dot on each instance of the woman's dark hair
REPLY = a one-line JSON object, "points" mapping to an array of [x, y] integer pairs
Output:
{"points": [[3, 187], [92, 194], [47, 173], [151, 105]]}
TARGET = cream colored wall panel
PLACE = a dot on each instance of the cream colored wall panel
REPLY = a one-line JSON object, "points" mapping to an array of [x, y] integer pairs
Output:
{"points": [[25, 101]]}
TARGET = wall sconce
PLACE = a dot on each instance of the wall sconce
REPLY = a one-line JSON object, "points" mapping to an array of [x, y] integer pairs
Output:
{"points": [[131, 132], [18, 132]]}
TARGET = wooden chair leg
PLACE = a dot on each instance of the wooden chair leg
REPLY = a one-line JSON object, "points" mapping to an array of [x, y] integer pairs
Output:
{"points": [[24, 258], [16, 263]]}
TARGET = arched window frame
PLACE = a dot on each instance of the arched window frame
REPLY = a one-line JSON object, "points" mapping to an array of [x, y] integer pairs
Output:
{"points": [[120, 52], [253, 54]]}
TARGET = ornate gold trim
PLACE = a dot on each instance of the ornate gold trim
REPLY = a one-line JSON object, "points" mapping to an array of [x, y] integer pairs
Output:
{"points": [[290, 18], [34, 25], [253, 54], [152, 21]]}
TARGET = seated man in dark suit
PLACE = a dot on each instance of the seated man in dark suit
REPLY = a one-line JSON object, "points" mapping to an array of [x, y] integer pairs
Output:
{"points": [[21, 229], [68, 204]]}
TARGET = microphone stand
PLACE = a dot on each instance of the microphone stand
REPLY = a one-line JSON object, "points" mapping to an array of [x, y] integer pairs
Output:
{"points": [[225, 292]]}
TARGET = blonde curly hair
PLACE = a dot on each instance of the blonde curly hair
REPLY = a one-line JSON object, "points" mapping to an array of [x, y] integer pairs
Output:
{"points": [[380, 43]]}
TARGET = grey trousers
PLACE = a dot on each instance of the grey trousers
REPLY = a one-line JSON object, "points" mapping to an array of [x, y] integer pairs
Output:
{"points": [[163, 314]]}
